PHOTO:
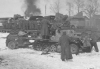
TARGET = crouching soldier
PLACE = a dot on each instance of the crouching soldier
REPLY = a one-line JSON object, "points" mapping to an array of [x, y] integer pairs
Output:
{"points": [[93, 41], [86, 43], [22, 38]]}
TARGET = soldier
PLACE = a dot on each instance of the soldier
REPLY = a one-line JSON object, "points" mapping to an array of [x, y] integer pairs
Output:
{"points": [[86, 43], [45, 28], [86, 40], [22, 35], [94, 39], [65, 47]]}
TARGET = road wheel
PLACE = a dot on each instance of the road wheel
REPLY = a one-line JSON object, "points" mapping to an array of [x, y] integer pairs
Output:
{"points": [[45, 50], [74, 49], [58, 48], [12, 45], [38, 47], [53, 48]]}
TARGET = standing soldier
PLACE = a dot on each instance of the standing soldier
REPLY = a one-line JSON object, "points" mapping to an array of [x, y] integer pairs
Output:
{"points": [[65, 47], [45, 28]]}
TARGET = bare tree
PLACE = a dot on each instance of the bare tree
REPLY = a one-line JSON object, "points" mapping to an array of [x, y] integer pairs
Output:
{"points": [[79, 4], [56, 7], [69, 5], [91, 8]]}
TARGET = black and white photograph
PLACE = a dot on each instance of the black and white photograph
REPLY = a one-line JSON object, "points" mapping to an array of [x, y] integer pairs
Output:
{"points": [[49, 34]]}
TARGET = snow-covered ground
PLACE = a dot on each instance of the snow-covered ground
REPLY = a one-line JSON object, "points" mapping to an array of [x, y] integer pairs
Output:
{"points": [[2, 40], [3, 34], [30, 59]]}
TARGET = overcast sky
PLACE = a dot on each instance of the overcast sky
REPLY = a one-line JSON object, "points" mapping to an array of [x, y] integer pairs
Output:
{"points": [[11, 7]]}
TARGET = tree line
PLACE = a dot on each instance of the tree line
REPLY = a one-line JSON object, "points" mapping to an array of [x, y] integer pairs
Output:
{"points": [[88, 7]]}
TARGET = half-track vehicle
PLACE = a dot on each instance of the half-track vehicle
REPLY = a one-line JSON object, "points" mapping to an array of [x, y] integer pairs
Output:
{"points": [[27, 30]]}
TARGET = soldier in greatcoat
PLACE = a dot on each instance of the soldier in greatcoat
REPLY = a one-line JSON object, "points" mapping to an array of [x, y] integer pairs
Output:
{"points": [[45, 28], [65, 47]]}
